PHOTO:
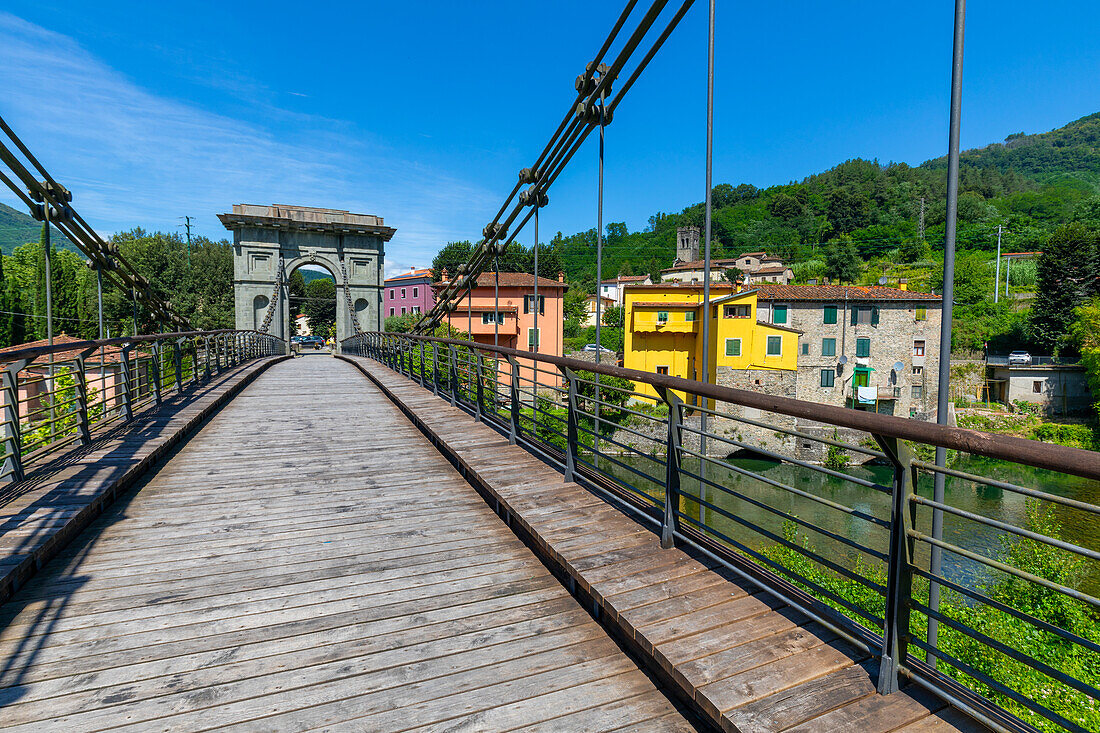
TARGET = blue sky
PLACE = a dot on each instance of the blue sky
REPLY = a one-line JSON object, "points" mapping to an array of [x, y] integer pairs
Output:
{"points": [[423, 112]]}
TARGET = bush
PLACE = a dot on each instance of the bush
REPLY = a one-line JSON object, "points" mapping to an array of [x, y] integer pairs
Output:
{"points": [[1075, 436]]}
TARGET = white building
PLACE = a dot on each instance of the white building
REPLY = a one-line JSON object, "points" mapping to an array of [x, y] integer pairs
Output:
{"points": [[613, 289]]}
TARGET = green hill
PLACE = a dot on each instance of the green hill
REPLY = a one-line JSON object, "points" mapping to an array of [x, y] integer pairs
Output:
{"points": [[1029, 183], [17, 228]]}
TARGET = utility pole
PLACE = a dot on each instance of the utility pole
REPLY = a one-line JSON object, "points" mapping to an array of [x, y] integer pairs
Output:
{"points": [[187, 226], [922, 218], [997, 283], [943, 382]]}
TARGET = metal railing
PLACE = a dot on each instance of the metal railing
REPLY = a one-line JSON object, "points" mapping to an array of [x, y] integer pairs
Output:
{"points": [[63, 395], [994, 360], [862, 551]]}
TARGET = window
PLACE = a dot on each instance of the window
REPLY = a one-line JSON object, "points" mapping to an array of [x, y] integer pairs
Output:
{"points": [[828, 347], [487, 318], [733, 347], [392, 294], [689, 316], [922, 313], [864, 314], [863, 347], [402, 292], [1036, 386], [402, 310], [828, 377], [391, 307], [917, 371], [775, 345], [529, 304], [830, 314], [805, 349], [736, 311], [662, 316], [917, 391], [416, 309], [532, 338], [897, 391], [416, 292], [662, 370], [918, 348], [779, 314]]}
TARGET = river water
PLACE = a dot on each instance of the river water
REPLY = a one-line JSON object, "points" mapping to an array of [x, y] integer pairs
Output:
{"points": [[1075, 526]]}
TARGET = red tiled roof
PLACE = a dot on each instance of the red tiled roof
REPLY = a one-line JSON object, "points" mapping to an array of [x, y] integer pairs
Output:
{"points": [[693, 286], [110, 353], [658, 304], [752, 254], [625, 279], [514, 280], [770, 270], [727, 262], [775, 291]]}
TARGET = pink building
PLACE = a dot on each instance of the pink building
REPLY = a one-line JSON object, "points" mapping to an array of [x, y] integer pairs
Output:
{"points": [[408, 293], [512, 321]]}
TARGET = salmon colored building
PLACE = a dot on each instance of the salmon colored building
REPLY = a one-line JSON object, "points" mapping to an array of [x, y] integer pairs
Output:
{"points": [[510, 321]]}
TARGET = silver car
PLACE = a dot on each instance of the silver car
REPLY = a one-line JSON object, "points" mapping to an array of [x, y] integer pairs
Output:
{"points": [[1019, 357]]}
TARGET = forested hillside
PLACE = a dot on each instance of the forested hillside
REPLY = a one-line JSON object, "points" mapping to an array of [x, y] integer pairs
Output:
{"points": [[18, 228]]}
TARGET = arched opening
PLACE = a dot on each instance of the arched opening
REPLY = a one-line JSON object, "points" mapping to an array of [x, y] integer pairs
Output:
{"points": [[259, 310], [313, 307]]}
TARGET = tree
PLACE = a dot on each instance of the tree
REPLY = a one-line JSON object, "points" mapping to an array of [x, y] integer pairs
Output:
{"points": [[575, 304], [842, 262], [449, 258], [1066, 274], [613, 317], [320, 307], [973, 277], [848, 209], [1086, 333], [401, 323]]}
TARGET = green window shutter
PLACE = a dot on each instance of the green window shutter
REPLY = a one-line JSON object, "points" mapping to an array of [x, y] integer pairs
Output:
{"points": [[863, 347], [689, 316], [827, 377], [828, 347], [662, 316], [733, 347], [874, 315], [855, 315], [830, 314], [805, 348], [922, 313], [526, 304], [779, 314], [775, 345]]}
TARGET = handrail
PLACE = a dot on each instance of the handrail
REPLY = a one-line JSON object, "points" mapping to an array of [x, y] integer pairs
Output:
{"points": [[33, 352], [1075, 461], [860, 583]]}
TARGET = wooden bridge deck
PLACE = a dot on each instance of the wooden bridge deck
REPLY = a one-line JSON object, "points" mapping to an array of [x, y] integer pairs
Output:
{"points": [[748, 661], [309, 560]]}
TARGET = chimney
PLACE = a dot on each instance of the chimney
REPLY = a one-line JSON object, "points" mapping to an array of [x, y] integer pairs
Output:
{"points": [[561, 276], [444, 275], [903, 284]]}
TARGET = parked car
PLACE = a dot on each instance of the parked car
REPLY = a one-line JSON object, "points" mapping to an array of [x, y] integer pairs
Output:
{"points": [[1019, 357], [315, 341], [592, 347]]}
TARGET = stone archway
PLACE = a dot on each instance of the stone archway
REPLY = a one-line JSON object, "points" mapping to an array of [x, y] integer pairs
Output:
{"points": [[334, 239]]}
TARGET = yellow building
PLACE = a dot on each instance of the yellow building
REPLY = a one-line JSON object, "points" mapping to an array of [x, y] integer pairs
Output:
{"points": [[663, 334]]}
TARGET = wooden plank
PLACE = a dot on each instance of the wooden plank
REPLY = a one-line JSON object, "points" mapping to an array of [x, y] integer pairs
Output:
{"points": [[349, 574]]}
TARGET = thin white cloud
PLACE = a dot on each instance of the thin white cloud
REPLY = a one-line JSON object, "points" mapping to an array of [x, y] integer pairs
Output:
{"points": [[133, 158]]}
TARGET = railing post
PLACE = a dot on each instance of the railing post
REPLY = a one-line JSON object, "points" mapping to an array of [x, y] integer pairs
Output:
{"points": [[435, 368], [670, 524], [571, 425], [454, 375], [478, 388], [83, 426], [127, 386], [899, 575], [13, 438], [513, 397], [206, 355], [422, 369], [177, 357], [154, 366]]}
